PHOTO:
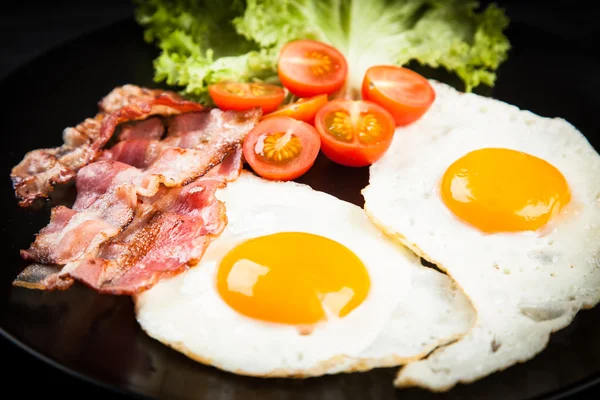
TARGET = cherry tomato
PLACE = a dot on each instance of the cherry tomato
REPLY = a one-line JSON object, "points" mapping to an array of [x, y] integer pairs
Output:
{"points": [[403, 92], [308, 68], [281, 148], [354, 133], [304, 109], [244, 96]]}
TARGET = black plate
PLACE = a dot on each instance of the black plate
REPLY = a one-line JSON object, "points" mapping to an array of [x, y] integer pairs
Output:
{"points": [[96, 337]]}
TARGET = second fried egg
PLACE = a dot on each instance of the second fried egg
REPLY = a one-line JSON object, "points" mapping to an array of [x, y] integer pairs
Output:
{"points": [[507, 202]]}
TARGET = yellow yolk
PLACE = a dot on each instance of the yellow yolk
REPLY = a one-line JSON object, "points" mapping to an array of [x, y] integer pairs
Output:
{"points": [[503, 190], [292, 278]]}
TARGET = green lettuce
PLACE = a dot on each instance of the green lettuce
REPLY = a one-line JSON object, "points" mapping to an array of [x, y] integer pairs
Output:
{"points": [[203, 42], [199, 44]]}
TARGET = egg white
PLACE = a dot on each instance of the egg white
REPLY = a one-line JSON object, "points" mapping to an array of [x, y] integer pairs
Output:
{"points": [[409, 310], [523, 285]]}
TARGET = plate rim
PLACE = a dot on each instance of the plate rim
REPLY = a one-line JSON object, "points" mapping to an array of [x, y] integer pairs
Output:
{"points": [[49, 361]]}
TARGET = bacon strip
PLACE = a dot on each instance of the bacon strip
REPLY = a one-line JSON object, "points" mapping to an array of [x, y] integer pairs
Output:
{"points": [[168, 234], [129, 94], [105, 204], [195, 143], [126, 230], [107, 190], [43, 277], [40, 170], [151, 128]]}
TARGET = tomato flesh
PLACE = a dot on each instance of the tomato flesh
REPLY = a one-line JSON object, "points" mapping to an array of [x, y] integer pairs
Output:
{"points": [[281, 148], [406, 94], [354, 133], [309, 68], [303, 109], [245, 96]]}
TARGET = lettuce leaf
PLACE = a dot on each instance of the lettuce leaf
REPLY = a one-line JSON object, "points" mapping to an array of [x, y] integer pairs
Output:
{"points": [[436, 33], [203, 41], [199, 44], [457, 38]]}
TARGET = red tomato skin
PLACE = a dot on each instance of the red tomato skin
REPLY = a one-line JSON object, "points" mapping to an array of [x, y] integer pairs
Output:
{"points": [[306, 86], [311, 144], [353, 157], [404, 114], [307, 109], [351, 154], [227, 101]]}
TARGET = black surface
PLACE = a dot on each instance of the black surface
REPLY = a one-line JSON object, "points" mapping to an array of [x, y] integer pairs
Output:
{"points": [[552, 70]]}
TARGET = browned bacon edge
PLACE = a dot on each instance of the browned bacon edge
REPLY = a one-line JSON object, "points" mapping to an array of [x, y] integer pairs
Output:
{"points": [[129, 94], [195, 143], [40, 170], [43, 277]]}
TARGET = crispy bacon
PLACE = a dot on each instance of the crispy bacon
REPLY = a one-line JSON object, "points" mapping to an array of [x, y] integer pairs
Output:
{"points": [[129, 94], [151, 128], [105, 204], [195, 143], [230, 168], [40, 170], [145, 210], [168, 233], [43, 277]]}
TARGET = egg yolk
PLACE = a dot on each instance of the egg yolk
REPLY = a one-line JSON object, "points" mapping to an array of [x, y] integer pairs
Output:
{"points": [[502, 190], [292, 278]]}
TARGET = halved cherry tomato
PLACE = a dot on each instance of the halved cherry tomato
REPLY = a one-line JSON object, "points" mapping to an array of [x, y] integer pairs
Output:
{"points": [[281, 148], [244, 96], [308, 68], [304, 109], [354, 133], [406, 94]]}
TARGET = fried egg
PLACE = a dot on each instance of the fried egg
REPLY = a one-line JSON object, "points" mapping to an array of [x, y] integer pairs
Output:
{"points": [[302, 284], [507, 202]]}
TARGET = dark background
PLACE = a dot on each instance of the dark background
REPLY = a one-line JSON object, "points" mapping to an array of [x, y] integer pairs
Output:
{"points": [[29, 29]]}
